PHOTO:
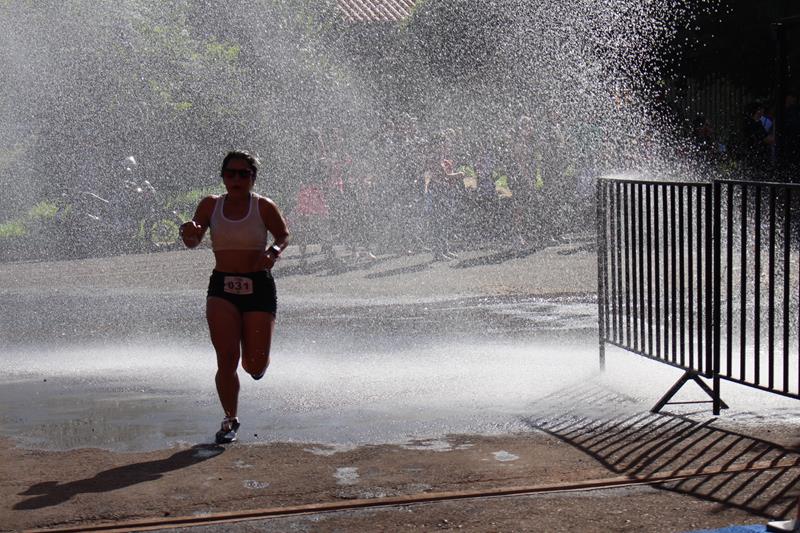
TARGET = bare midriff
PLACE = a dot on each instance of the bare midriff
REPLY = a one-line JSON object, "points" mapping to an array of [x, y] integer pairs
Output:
{"points": [[238, 261]]}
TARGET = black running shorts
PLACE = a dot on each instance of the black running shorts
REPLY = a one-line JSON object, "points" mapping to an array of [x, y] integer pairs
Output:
{"points": [[251, 291]]}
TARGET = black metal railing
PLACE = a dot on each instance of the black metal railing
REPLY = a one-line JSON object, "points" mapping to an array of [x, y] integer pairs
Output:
{"points": [[699, 276], [758, 294], [654, 274]]}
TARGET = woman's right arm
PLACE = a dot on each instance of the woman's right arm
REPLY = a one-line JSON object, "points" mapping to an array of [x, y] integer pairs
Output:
{"points": [[192, 231]]}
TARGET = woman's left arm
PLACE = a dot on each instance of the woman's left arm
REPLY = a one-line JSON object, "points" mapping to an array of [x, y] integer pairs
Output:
{"points": [[276, 225]]}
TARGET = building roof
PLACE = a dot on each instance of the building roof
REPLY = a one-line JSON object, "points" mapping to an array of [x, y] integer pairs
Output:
{"points": [[376, 10]]}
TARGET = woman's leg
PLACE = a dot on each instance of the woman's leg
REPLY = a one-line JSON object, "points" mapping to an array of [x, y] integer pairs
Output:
{"points": [[257, 328], [225, 327]]}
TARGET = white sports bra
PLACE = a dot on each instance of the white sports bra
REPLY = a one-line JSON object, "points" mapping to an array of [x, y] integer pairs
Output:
{"points": [[248, 233]]}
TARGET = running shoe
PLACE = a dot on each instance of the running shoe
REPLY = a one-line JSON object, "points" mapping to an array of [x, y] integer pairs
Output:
{"points": [[227, 432]]}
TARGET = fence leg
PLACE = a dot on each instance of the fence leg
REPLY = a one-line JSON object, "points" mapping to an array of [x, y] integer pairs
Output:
{"points": [[601, 270], [689, 375], [714, 393], [602, 355]]}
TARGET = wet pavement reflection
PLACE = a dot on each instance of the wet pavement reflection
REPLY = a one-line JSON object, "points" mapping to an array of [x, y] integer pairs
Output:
{"points": [[135, 371]]}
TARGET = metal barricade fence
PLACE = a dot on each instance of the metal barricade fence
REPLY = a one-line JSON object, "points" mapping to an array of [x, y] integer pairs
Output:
{"points": [[667, 257], [758, 293]]}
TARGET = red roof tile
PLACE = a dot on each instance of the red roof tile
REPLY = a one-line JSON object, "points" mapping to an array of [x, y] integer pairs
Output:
{"points": [[375, 10]]}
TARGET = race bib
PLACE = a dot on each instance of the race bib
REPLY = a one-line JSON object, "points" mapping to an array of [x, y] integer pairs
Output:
{"points": [[238, 285]]}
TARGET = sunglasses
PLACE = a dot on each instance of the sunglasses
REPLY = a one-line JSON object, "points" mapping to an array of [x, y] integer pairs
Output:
{"points": [[231, 173]]}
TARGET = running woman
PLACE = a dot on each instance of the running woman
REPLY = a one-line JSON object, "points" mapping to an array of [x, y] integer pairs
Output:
{"points": [[241, 302]]}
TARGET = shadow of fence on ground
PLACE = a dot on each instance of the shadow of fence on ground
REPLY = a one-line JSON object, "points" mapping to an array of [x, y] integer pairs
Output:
{"points": [[644, 445]]}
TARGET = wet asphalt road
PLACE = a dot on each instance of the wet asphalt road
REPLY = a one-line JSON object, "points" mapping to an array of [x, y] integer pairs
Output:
{"points": [[135, 371], [113, 353]]}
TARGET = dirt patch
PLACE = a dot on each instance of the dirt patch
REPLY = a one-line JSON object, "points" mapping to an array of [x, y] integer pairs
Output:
{"points": [[48, 489], [42, 489]]}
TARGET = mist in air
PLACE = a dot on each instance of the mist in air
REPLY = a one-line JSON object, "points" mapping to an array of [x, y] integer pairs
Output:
{"points": [[89, 87]]}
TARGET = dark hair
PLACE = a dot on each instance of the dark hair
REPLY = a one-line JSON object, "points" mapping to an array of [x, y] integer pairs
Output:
{"points": [[252, 161]]}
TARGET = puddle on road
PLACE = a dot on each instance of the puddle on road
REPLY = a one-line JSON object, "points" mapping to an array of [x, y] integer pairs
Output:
{"points": [[504, 457], [254, 485], [346, 475], [335, 382]]}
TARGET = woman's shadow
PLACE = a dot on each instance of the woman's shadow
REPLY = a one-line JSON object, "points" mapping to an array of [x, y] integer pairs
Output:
{"points": [[51, 493]]}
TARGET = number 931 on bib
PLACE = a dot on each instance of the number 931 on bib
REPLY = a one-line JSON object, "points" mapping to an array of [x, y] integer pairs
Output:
{"points": [[238, 285]]}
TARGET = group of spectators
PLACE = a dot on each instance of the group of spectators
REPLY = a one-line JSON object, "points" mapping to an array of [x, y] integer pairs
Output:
{"points": [[442, 192], [754, 147]]}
